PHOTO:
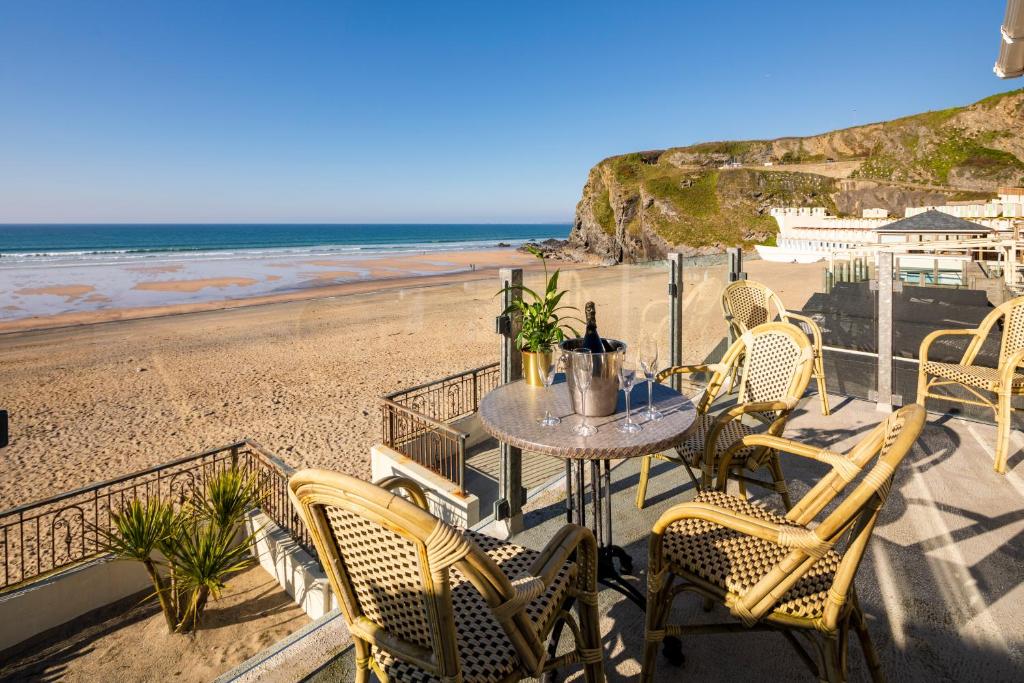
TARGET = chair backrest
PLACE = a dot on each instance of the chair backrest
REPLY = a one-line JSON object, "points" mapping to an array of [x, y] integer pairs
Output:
{"points": [[1011, 313], [747, 304], [871, 463], [388, 560], [771, 362]]}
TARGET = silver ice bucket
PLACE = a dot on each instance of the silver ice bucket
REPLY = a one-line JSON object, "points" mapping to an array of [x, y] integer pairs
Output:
{"points": [[603, 394]]}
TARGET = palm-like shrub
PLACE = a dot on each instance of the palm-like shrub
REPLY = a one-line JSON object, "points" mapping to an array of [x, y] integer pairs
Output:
{"points": [[187, 552]]}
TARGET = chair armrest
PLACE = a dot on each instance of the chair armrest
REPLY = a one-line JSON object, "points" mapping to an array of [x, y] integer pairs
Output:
{"points": [[815, 330], [394, 482], [757, 407], [926, 343], [571, 538], [690, 370], [787, 536], [842, 465], [738, 411], [1009, 367], [746, 524]]}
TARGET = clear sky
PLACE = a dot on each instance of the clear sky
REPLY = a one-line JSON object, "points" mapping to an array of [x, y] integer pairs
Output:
{"points": [[434, 111]]}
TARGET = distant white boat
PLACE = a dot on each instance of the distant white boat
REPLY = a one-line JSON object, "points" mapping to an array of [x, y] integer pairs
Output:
{"points": [[783, 255]]}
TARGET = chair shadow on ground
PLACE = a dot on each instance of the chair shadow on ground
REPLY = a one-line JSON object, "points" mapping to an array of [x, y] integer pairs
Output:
{"points": [[918, 600]]}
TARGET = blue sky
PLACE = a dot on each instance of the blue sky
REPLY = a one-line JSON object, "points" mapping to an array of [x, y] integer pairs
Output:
{"points": [[434, 111]]}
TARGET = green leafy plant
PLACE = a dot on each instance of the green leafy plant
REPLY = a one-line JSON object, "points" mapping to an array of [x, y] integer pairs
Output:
{"points": [[187, 552], [540, 324]]}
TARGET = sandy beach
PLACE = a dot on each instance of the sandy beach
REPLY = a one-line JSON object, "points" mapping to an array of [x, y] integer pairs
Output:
{"points": [[133, 644], [303, 377]]}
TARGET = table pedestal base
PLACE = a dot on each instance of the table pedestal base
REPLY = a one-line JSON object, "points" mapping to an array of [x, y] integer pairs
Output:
{"points": [[608, 554]]}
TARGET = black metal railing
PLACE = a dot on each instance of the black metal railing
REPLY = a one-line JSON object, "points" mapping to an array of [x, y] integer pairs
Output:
{"points": [[415, 421], [48, 535]]}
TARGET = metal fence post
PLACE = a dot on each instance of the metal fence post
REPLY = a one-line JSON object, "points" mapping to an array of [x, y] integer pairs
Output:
{"points": [[883, 392], [736, 264], [675, 314], [508, 509]]}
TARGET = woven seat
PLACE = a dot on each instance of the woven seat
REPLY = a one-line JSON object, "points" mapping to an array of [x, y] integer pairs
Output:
{"points": [[692, 450], [747, 304], [735, 562], [775, 572], [771, 367], [426, 602], [484, 649], [1004, 381]]}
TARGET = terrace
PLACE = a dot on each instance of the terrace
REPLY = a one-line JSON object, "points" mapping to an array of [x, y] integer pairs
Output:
{"points": [[940, 582]]}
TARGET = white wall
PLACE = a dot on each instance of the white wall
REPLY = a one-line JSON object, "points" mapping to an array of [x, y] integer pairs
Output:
{"points": [[67, 595]]}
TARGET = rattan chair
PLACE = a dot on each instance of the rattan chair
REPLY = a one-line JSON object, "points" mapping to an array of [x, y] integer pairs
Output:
{"points": [[1004, 381], [747, 304], [777, 573], [427, 602], [772, 364]]}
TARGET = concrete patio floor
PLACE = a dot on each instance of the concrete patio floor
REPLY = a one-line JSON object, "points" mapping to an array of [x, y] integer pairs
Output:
{"points": [[941, 583]]}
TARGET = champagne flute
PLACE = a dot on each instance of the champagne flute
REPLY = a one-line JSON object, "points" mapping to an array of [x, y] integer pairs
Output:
{"points": [[627, 377], [649, 365], [583, 374], [548, 370]]}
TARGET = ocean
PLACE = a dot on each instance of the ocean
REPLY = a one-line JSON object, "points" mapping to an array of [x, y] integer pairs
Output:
{"points": [[48, 270], [68, 244]]}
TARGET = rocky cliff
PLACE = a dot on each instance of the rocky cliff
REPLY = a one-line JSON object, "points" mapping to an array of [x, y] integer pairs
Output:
{"points": [[640, 205]]}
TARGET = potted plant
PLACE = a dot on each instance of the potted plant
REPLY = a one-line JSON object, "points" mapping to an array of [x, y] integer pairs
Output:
{"points": [[541, 326]]}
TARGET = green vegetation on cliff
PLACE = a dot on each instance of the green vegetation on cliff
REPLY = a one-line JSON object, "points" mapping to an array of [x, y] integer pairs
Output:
{"points": [[638, 205]]}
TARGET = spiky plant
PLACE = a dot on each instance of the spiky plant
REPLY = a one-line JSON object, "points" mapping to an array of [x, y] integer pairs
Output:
{"points": [[136, 531], [228, 496], [199, 544], [203, 555]]}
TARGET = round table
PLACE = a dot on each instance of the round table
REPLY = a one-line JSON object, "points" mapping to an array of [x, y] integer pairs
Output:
{"points": [[511, 414]]}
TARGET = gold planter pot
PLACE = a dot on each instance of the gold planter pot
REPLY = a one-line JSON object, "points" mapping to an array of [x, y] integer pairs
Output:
{"points": [[532, 363]]}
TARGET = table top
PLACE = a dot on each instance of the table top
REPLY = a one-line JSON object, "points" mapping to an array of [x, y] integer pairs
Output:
{"points": [[510, 413]]}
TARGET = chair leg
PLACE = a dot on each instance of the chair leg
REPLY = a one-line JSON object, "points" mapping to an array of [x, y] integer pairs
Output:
{"points": [[641, 487], [922, 387], [819, 372], [657, 615], [1003, 431], [362, 660], [860, 625], [590, 630], [833, 670], [780, 481]]}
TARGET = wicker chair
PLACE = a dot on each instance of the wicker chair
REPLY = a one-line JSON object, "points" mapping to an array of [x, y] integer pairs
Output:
{"points": [[773, 363], [1005, 382], [426, 602], [781, 573], [747, 304]]}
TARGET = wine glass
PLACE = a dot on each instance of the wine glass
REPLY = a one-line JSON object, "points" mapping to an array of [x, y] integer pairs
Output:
{"points": [[627, 377], [548, 369], [649, 366], [583, 374]]}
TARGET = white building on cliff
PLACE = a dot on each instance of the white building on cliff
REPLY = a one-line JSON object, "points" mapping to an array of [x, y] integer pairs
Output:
{"points": [[808, 234]]}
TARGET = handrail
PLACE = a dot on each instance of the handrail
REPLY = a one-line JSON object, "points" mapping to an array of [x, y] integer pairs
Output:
{"points": [[50, 534], [427, 385]]}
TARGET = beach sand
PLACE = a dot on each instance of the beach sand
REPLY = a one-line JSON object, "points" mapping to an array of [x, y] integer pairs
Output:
{"points": [[133, 644], [302, 377]]}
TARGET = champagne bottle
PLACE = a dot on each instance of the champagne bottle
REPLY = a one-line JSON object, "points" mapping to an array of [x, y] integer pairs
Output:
{"points": [[591, 339]]}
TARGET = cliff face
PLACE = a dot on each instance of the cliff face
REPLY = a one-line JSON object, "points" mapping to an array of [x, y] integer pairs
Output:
{"points": [[641, 205]]}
